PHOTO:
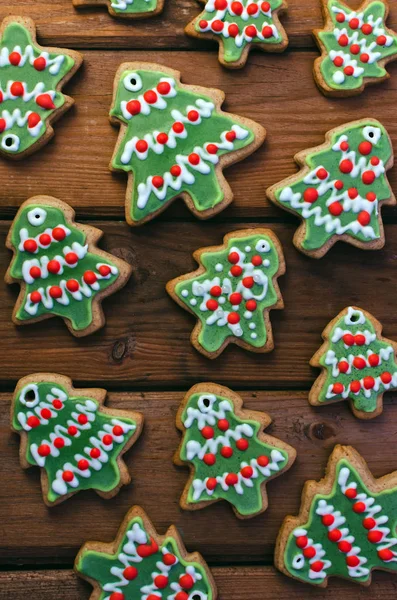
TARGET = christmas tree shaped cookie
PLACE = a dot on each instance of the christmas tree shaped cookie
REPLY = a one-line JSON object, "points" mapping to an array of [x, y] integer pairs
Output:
{"points": [[175, 141], [346, 526], [230, 458], [357, 364], [356, 46], [238, 26], [232, 292], [340, 189], [129, 9], [31, 80], [61, 270], [72, 437], [141, 564]]}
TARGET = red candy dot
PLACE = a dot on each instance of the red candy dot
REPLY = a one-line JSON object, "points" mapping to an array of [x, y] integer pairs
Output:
{"points": [[194, 158], [203, 24], [217, 25], [235, 299], [178, 127], [45, 239], [242, 444], [107, 440], [381, 40], [371, 196], [351, 493], [67, 476], [71, 258], [233, 258], [59, 234], [334, 535], [33, 421], [233, 318], [40, 63], [359, 362], [369, 523], [89, 277], [364, 57], [54, 266], [220, 4], [216, 291], [322, 174], [346, 166], [236, 271], [364, 218], [211, 483], [375, 161], [339, 185], [164, 88], [301, 541], [72, 285], [223, 424], [59, 443], [231, 136], [233, 32], [186, 582], [365, 148], [17, 89], [209, 459], [265, 6], [72, 430], [251, 305], [256, 260], [348, 339], [57, 404], [104, 270], [344, 547], [343, 40], [338, 61], [355, 387], [317, 566], [359, 339], [237, 8], [142, 146], [212, 304], [95, 453], [44, 450], [130, 573], [354, 23], [133, 107], [343, 366], [335, 209], [158, 181], [327, 520], [193, 115], [368, 177], [35, 272], [385, 554], [310, 195], [45, 102], [344, 146], [340, 17], [355, 49], [367, 29], [227, 452], [349, 70], [33, 119], [82, 419], [83, 464], [55, 292], [352, 561], [117, 431], [247, 472], [369, 382], [161, 581], [169, 559], [338, 388], [162, 138], [212, 149], [375, 537], [262, 461], [231, 479], [14, 58], [207, 432], [309, 552], [353, 193], [267, 32], [386, 377], [182, 596], [359, 507], [150, 97], [248, 282], [30, 246], [116, 596], [175, 170], [252, 9]]}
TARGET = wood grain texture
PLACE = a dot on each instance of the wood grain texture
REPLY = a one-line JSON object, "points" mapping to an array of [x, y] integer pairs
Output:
{"points": [[233, 584], [58, 22], [146, 340], [276, 91], [36, 534]]}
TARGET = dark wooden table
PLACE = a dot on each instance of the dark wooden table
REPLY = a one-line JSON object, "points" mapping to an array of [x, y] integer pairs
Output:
{"points": [[143, 355]]}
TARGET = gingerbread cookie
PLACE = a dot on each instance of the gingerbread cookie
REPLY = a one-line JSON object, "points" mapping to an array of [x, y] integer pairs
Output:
{"points": [[72, 437], [232, 292], [175, 141], [340, 189], [355, 47], [140, 563], [32, 78], [230, 457], [61, 270], [358, 364], [239, 26], [346, 526], [129, 9]]}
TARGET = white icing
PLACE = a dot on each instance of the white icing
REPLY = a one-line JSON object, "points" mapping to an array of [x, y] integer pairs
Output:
{"points": [[146, 108], [28, 55], [37, 216]]}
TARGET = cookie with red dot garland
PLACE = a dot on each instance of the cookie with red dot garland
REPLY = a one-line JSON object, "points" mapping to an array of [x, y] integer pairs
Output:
{"points": [[232, 292], [229, 456], [174, 142], [76, 441], [60, 269], [239, 26], [31, 95], [357, 363], [355, 47], [346, 526], [140, 563], [340, 189], [126, 9]]}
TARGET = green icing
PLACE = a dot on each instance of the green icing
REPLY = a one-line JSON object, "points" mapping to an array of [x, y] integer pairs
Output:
{"points": [[107, 569], [369, 49], [21, 115], [207, 410], [339, 204], [79, 438], [351, 523], [76, 308], [221, 319], [371, 381], [230, 13], [132, 7], [199, 181]]}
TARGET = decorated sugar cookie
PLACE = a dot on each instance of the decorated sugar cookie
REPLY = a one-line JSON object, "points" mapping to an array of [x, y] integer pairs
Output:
{"points": [[340, 189], [31, 80], [230, 458], [141, 564], [238, 26], [356, 46], [59, 267], [358, 364], [129, 9], [346, 526], [232, 292], [174, 142], [72, 437]]}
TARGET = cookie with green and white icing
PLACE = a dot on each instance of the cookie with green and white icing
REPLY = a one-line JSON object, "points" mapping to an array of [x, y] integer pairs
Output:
{"points": [[127, 9]]}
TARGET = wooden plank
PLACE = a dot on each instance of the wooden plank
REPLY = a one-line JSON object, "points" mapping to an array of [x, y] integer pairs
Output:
{"points": [[33, 534], [61, 24], [74, 165], [233, 584], [146, 341]]}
